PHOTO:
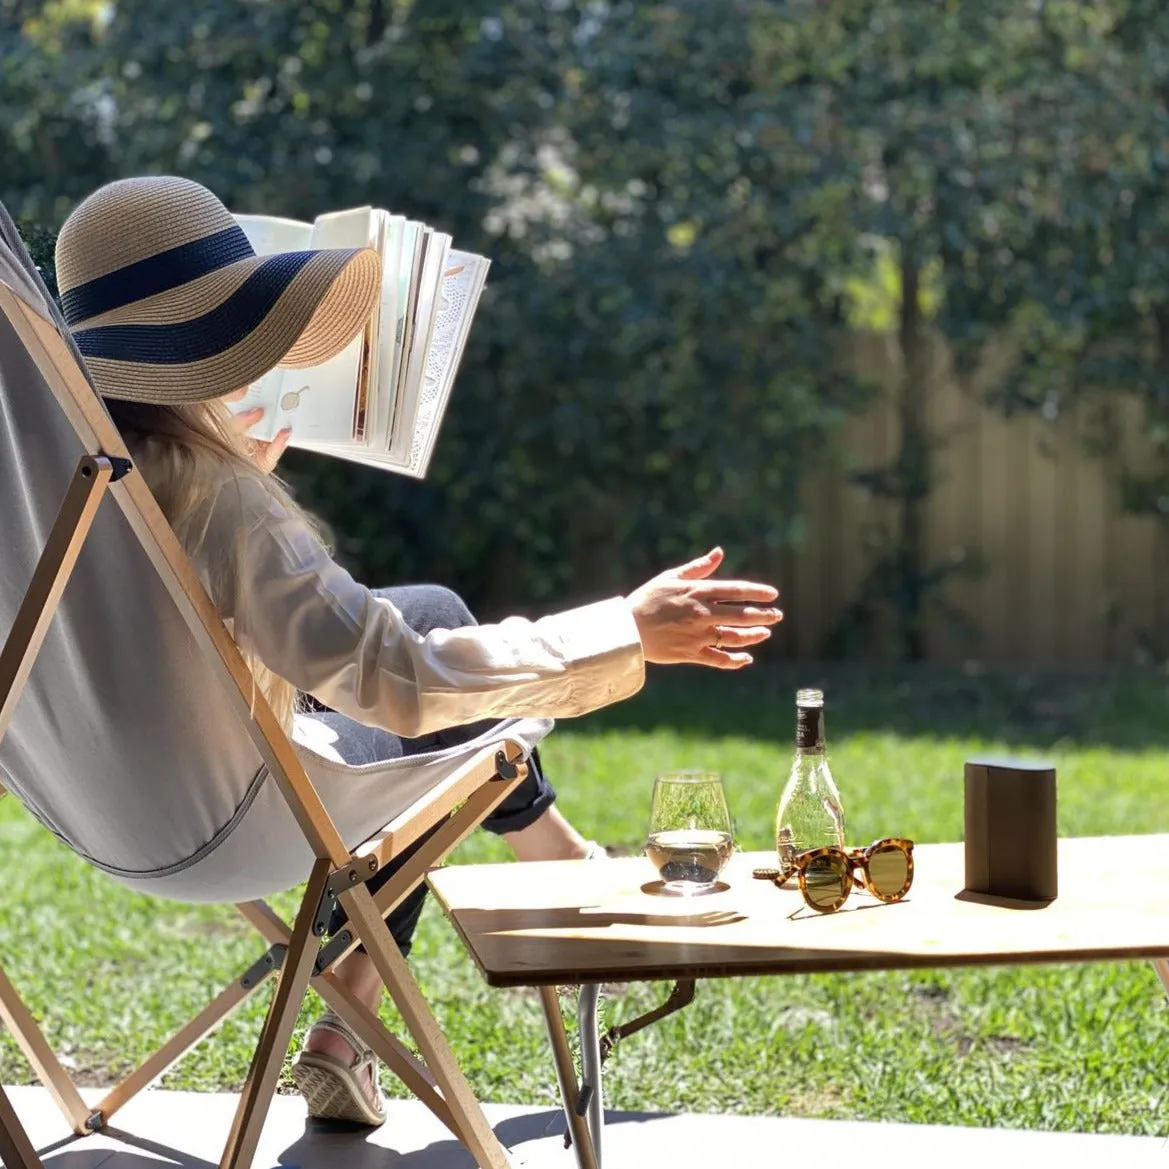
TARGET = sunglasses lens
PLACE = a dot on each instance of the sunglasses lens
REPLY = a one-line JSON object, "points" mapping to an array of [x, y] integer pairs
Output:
{"points": [[826, 878], [889, 871]]}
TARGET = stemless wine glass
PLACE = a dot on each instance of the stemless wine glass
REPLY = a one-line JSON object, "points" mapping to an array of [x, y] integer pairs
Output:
{"points": [[690, 837]]}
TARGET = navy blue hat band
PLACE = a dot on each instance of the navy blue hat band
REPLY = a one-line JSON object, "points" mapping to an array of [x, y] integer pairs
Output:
{"points": [[159, 273], [205, 336]]}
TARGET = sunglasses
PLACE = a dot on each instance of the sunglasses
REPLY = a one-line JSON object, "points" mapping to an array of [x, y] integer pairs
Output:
{"points": [[828, 875]]}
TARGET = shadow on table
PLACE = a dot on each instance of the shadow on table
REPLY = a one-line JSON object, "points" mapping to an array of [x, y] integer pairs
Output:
{"points": [[999, 902], [476, 921]]}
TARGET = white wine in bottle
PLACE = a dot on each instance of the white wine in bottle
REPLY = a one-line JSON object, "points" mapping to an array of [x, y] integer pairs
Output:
{"points": [[810, 814]]}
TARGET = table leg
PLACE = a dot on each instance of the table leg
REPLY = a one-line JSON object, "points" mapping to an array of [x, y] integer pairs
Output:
{"points": [[582, 1141], [1161, 966], [590, 1060]]}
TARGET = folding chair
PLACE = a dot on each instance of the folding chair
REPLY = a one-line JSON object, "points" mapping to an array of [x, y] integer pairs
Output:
{"points": [[192, 790]]}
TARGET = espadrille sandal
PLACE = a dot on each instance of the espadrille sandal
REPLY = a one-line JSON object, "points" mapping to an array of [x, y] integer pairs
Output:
{"points": [[335, 1090]]}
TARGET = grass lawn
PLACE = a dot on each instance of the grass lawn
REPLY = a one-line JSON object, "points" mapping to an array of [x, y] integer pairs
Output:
{"points": [[1074, 1048]]}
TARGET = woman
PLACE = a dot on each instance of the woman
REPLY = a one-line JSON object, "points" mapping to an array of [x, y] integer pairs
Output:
{"points": [[173, 313]]}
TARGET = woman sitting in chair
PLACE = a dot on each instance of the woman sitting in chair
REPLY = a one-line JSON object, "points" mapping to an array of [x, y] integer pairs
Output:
{"points": [[174, 313]]}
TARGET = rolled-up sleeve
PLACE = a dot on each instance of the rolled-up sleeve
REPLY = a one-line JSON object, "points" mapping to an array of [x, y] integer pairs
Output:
{"points": [[308, 620]]}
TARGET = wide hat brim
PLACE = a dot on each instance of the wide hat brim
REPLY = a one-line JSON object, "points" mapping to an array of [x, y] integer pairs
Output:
{"points": [[221, 332]]}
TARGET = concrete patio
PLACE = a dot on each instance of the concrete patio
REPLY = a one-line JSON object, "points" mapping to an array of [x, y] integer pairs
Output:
{"points": [[187, 1130]]}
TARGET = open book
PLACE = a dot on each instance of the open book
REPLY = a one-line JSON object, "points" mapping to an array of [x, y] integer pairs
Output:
{"points": [[381, 400]]}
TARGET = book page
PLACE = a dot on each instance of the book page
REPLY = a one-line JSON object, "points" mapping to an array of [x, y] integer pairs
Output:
{"points": [[319, 404], [463, 278], [268, 234], [410, 274], [438, 294], [438, 246], [367, 377], [393, 311]]}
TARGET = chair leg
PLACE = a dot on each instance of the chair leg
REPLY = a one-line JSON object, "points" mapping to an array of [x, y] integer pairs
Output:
{"points": [[16, 1149], [474, 1129], [386, 1045], [223, 1005], [398, 1058], [276, 1033], [31, 1040]]}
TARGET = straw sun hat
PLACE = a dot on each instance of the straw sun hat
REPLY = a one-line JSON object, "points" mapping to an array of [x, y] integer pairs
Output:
{"points": [[168, 302]]}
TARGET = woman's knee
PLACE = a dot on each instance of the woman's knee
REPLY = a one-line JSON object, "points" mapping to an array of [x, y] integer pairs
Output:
{"points": [[427, 607], [452, 608]]}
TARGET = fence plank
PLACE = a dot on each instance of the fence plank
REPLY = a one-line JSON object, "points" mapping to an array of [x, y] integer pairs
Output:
{"points": [[1042, 510]]}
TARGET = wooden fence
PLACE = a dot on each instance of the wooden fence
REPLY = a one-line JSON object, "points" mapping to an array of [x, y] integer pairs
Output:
{"points": [[1069, 577]]}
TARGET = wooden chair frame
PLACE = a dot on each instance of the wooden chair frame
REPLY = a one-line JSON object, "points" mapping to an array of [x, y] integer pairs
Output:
{"points": [[295, 958]]}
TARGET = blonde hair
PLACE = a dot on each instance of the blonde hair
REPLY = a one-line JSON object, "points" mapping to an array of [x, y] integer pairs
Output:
{"points": [[186, 453]]}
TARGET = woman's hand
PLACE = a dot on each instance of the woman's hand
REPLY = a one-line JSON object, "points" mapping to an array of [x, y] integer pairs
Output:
{"points": [[264, 454], [685, 618]]}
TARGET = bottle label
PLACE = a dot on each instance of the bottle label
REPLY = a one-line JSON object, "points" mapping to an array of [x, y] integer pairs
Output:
{"points": [[810, 728]]}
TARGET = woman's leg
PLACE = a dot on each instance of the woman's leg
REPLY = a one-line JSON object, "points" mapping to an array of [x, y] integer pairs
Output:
{"points": [[527, 819], [328, 1091]]}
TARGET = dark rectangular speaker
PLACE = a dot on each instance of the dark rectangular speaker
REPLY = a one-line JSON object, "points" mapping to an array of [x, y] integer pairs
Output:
{"points": [[1011, 842]]}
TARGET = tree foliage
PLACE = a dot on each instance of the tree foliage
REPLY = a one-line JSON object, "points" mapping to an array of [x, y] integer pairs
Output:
{"points": [[644, 377], [688, 206]]}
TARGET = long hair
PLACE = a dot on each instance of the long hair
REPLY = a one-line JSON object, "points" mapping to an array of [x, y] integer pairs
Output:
{"points": [[186, 454]]}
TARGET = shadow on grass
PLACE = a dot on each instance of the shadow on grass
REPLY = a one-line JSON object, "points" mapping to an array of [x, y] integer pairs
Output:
{"points": [[1021, 709]]}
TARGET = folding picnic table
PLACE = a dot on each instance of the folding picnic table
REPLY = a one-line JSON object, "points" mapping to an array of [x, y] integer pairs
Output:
{"points": [[575, 923]]}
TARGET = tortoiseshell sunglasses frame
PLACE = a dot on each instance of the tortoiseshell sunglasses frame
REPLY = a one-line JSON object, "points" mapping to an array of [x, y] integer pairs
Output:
{"points": [[854, 858]]}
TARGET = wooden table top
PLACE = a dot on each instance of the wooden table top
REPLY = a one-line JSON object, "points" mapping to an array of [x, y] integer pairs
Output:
{"points": [[570, 922]]}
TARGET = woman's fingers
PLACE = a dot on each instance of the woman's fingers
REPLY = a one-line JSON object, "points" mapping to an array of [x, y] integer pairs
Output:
{"points": [[700, 568], [730, 637], [246, 419], [712, 592], [279, 445], [746, 615], [235, 395], [722, 659], [267, 454]]}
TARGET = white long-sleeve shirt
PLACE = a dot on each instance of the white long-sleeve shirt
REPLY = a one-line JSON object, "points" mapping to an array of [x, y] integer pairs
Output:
{"points": [[309, 621]]}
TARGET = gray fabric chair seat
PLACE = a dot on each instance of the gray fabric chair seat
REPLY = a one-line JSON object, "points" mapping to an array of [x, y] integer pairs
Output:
{"points": [[124, 744], [262, 850]]}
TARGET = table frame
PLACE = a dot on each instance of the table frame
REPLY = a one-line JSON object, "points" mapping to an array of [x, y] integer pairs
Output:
{"points": [[583, 1097], [583, 1101]]}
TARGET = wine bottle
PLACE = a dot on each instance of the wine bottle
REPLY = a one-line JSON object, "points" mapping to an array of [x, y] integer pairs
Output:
{"points": [[810, 814]]}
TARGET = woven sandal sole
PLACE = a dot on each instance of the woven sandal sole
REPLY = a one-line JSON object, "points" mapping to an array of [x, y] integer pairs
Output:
{"points": [[332, 1091]]}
